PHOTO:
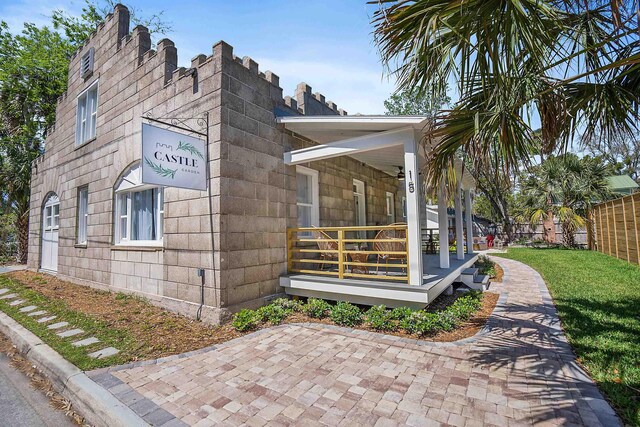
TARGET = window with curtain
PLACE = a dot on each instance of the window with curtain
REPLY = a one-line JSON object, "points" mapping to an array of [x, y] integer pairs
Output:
{"points": [[83, 214], [87, 114], [139, 210]]}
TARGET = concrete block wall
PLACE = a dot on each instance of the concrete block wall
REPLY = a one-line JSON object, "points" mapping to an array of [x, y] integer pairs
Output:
{"points": [[133, 80], [238, 235]]}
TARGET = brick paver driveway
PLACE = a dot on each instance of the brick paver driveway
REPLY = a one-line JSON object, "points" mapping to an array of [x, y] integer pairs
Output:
{"points": [[518, 371]]}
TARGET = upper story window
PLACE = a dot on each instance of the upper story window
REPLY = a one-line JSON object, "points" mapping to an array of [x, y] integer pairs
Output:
{"points": [[139, 210], [87, 114], [86, 64]]}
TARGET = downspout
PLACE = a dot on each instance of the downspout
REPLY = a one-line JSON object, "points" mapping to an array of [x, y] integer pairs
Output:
{"points": [[213, 257]]}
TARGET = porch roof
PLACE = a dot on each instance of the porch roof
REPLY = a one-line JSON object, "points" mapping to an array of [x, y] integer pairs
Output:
{"points": [[326, 129], [374, 140]]}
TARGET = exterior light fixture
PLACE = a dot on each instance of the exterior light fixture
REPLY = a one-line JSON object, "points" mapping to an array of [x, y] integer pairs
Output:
{"points": [[400, 175]]}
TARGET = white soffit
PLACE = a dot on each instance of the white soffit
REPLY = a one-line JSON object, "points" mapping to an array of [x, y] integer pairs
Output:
{"points": [[326, 129]]}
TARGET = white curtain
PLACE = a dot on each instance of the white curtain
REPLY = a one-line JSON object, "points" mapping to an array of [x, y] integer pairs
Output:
{"points": [[143, 226]]}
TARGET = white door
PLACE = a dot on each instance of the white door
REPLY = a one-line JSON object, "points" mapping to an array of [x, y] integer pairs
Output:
{"points": [[360, 203], [50, 227]]}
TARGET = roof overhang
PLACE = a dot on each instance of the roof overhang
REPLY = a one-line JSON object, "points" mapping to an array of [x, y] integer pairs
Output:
{"points": [[327, 129], [375, 140]]}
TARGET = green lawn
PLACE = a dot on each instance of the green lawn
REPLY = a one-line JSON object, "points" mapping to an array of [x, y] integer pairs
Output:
{"points": [[598, 299]]}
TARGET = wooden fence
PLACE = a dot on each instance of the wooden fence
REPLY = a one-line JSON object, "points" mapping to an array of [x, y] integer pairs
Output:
{"points": [[617, 224]]}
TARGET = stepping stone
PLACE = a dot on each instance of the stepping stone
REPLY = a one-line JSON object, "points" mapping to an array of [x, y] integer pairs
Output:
{"points": [[16, 302], [105, 352], [46, 319], [37, 313], [58, 325], [69, 333], [8, 296], [28, 308], [4, 291], [86, 341]]}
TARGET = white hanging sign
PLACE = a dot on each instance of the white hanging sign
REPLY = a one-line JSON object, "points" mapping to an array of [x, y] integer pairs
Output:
{"points": [[173, 159]]}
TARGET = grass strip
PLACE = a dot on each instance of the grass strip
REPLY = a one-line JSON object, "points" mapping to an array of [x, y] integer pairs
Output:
{"points": [[107, 335]]}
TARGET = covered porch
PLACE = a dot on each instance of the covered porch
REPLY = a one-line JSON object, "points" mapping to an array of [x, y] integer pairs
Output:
{"points": [[402, 262]]}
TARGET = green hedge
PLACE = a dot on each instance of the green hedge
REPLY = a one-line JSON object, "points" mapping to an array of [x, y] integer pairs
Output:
{"points": [[378, 318]]}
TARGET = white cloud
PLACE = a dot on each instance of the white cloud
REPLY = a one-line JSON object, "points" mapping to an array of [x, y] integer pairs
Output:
{"points": [[353, 88]]}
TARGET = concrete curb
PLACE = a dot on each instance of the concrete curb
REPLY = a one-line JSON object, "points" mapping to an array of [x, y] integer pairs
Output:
{"points": [[98, 406]]}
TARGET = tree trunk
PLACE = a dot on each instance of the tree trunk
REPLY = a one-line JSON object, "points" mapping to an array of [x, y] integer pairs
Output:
{"points": [[549, 228], [590, 230], [22, 225], [568, 234]]}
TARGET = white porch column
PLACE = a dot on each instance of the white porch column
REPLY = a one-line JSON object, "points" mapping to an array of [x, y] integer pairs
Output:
{"points": [[459, 224], [412, 184], [443, 225], [468, 212]]}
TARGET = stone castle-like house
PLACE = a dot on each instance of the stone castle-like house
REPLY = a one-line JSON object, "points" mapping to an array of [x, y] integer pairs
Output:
{"points": [[94, 222]]}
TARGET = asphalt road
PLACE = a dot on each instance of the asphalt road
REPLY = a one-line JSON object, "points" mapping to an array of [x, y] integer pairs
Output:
{"points": [[23, 406]]}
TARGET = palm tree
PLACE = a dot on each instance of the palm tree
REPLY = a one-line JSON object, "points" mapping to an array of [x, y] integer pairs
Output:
{"points": [[564, 187], [567, 65]]}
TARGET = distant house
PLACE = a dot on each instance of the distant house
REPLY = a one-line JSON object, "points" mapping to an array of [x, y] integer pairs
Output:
{"points": [[622, 184]]}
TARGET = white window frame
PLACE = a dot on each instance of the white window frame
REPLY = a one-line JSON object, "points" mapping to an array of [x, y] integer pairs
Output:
{"points": [[129, 184], [82, 215], [404, 208], [315, 196], [390, 208], [87, 117]]}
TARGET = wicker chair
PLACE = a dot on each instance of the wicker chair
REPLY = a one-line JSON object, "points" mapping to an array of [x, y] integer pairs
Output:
{"points": [[326, 246], [380, 245]]}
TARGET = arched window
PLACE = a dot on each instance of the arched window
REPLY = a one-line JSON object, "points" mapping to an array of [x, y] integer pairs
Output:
{"points": [[139, 210]]}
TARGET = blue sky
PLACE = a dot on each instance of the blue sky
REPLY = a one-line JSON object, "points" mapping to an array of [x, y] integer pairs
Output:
{"points": [[327, 44]]}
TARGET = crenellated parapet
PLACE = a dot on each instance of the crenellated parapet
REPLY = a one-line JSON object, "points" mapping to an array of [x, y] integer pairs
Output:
{"points": [[313, 104], [120, 53]]}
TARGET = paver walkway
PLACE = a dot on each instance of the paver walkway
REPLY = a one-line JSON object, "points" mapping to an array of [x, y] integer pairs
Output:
{"points": [[518, 371]]}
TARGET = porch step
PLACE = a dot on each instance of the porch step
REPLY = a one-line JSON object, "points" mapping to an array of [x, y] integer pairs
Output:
{"points": [[471, 279], [471, 271]]}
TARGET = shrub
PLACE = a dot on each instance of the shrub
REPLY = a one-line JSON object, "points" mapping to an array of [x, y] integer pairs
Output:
{"points": [[465, 306], [273, 314], [245, 320], [379, 318], [486, 266], [288, 304], [400, 313], [346, 314], [316, 308], [420, 323]]}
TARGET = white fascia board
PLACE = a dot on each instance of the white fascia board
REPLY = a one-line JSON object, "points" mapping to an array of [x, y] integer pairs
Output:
{"points": [[302, 120], [373, 141]]}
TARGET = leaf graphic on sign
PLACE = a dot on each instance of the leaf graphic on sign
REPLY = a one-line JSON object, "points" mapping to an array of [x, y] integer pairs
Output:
{"points": [[160, 170], [188, 147]]}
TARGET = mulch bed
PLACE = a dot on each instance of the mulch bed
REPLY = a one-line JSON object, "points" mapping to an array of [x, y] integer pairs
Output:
{"points": [[160, 332], [466, 330], [499, 273]]}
